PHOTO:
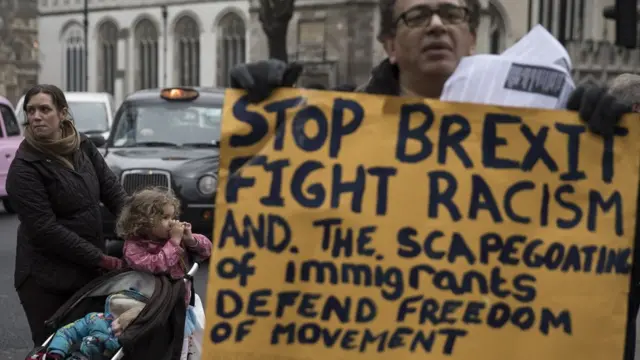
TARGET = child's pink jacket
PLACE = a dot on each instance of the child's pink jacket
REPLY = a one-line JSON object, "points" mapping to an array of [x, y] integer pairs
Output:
{"points": [[164, 257]]}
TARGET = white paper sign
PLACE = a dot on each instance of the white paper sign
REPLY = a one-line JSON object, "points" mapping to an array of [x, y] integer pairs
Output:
{"points": [[540, 46], [495, 80], [535, 73]]}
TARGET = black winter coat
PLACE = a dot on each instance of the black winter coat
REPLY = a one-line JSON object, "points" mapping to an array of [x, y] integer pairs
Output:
{"points": [[60, 241]]}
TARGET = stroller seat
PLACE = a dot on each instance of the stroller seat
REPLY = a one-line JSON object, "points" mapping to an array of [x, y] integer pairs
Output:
{"points": [[124, 290]]}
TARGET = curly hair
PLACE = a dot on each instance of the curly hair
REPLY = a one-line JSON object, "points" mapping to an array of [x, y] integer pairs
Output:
{"points": [[143, 210], [388, 21]]}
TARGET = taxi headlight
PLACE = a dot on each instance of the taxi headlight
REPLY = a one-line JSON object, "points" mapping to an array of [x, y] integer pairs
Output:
{"points": [[207, 184]]}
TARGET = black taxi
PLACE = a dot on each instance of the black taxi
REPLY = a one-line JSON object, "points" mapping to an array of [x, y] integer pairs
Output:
{"points": [[168, 138]]}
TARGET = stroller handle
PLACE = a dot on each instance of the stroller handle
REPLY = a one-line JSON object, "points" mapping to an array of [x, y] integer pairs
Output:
{"points": [[119, 355], [192, 271]]}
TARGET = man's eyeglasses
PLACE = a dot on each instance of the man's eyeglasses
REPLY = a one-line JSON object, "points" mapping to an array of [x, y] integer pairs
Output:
{"points": [[421, 15]]}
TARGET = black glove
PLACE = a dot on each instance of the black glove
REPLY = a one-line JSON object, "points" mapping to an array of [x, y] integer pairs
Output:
{"points": [[262, 77], [599, 109]]}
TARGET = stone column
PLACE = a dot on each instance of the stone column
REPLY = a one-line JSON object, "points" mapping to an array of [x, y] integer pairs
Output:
{"points": [[533, 17], [121, 63], [484, 27]]}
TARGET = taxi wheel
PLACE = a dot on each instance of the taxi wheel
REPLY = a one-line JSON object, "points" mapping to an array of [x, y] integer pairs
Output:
{"points": [[7, 206]]}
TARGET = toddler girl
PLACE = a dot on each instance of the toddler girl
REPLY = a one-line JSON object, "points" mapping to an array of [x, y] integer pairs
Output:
{"points": [[156, 242]]}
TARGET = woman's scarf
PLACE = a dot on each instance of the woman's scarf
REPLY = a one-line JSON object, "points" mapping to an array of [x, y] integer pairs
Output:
{"points": [[61, 149]]}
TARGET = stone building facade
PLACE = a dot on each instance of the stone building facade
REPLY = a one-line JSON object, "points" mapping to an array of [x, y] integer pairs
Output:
{"points": [[134, 44], [19, 59], [336, 39], [588, 37], [139, 44]]}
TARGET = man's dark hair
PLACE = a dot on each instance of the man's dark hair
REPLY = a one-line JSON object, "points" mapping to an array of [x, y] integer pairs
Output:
{"points": [[388, 20]]}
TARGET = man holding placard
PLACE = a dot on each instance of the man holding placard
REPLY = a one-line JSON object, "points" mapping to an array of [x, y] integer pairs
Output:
{"points": [[370, 227], [424, 41]]}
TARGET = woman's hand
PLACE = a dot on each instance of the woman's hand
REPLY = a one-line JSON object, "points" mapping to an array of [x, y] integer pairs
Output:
{"points": [[111, 263]]}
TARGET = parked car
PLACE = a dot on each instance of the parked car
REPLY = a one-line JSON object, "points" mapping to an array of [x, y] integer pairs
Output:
{"points": [[169, 138], [9, 141], [92, 112]]}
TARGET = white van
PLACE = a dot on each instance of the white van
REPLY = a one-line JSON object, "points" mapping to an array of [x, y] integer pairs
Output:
{"points": [[92, 112]]}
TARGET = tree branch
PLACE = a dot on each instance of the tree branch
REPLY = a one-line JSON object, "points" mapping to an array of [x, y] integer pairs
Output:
{"points": [[275, 16], [265, 12], [275, 13]]}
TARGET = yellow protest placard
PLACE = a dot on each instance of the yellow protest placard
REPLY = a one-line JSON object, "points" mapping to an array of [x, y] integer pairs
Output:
{"points": [[368, 227]]}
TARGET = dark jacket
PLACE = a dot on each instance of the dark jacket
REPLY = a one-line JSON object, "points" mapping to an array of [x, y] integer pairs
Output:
{"points": [[60, 241], [384, 80]]}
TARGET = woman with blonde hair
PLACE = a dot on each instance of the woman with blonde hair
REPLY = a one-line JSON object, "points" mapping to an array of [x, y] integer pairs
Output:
{"points": [[55, 184]]}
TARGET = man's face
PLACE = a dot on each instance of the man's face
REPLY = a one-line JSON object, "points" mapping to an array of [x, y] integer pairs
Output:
{"points": [[431, 36]]}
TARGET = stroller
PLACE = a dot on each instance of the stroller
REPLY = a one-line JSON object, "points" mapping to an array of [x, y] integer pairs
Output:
{"points": [[160, 294]]}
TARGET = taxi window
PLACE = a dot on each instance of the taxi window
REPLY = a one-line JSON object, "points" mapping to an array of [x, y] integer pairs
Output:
{"points": [[167, 124], [10, 123]]}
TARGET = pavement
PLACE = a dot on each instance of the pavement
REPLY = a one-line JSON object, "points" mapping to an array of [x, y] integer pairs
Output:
{"points": [[15, 338]]}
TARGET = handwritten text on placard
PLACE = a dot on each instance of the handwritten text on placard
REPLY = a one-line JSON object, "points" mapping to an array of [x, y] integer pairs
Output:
{"points": [[371, 227]]}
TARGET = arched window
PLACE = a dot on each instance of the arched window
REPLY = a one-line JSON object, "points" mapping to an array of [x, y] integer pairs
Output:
{"points": [[231, 46], [187, 35], [74, 59], [108, 56], [567, 20], [146, 37], [497, 30]]}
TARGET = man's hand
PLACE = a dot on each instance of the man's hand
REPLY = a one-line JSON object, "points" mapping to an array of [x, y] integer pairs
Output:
{"points": [[599, 109], [261, 78]]}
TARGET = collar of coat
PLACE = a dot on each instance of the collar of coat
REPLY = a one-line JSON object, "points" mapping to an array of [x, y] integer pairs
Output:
{"points": [[27, 153], [384, 80]]}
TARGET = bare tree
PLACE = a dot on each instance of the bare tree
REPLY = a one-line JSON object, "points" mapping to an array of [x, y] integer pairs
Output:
{"points": [[275, 16]]}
